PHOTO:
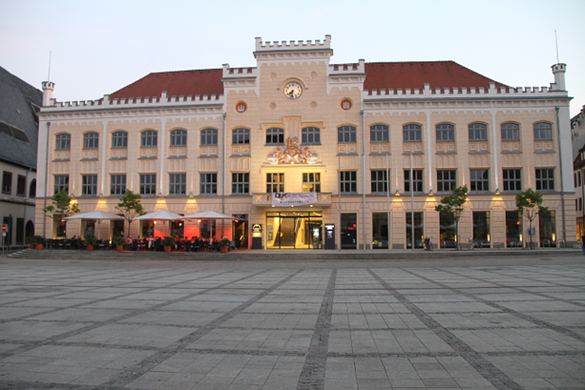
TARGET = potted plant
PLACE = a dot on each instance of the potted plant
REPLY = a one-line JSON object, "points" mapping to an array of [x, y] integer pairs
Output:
{"points": [[38, 241], [119, 242], [224, 245], [90, 240], [168, 242], [31, 241]]}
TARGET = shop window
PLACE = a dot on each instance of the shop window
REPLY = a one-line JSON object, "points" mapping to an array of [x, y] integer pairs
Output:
{"points": [[380, 237], [417, 228]]}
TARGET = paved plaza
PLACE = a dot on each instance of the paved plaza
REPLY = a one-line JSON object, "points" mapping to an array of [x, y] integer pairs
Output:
{"points": [[497, 323]]}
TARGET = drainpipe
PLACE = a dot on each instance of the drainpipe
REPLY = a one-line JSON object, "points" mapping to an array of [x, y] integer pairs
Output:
{"points": [[562, 181], [46, 183], [223, 170], [363, 181], [388, 199]]}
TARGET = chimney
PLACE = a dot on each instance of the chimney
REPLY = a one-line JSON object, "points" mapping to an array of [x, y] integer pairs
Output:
{"points": [[48, 88], [559, 72]]}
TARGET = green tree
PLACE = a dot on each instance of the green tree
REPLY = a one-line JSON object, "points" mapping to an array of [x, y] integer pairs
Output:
{"points": [[62, 206], [130, 207], [529, 203], [453, 204]]}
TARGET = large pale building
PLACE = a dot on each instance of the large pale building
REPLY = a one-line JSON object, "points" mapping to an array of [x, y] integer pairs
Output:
{"points": [[309, 154]]}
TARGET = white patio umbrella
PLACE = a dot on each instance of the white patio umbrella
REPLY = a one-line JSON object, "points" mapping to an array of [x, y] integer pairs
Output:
{"points": [[96, 215], [210, 215], [162, 215]]}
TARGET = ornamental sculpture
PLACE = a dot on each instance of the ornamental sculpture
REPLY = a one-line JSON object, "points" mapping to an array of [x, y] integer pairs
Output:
{"points": [[292, 153]]}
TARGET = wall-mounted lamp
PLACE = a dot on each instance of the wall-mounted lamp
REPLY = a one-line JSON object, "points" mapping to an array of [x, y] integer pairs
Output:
{"points": [[160, 194], [397, 193], [101, 194], [190, 194], [431, 193], [497, 191]]}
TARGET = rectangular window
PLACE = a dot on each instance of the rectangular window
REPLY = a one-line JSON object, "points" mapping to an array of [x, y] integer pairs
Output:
{"points": [[208, 183], [117, 184], [19, 231], [479, 180], [445, 132], [512, 180], [241, 183], [275, 136], [120, 139], [274, 182], [477, 132], [7, 183], [61, 183], [21, 186], [446, 180], [348, 182], [346, 135], [312, 182], [148, 184], [311, 136], [379, 182], [90, 141], [417, 180], [545, 179], [177, 184], [89, 185]]}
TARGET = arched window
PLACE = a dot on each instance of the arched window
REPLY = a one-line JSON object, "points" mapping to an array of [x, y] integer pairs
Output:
{"points": [[208, 137], [346, 135], [63, 142], [179, 137], [240, 136], [445, 132], [510, 132], [542, 131], [120, 139], [91, 140], [412, 133], [32, 190], [148, 138], [275, 136], [477, 132], [311, 136], [379, 133]]}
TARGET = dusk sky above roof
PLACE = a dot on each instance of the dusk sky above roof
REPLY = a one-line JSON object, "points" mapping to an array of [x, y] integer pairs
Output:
{"points": [[100, 47]]}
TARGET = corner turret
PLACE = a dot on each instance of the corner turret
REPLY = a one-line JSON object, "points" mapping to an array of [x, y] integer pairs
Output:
{"points": [[559, 72], [48, 88]]}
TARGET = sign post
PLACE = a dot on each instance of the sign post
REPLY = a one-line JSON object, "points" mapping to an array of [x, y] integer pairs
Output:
{"points": [[4, 231]]}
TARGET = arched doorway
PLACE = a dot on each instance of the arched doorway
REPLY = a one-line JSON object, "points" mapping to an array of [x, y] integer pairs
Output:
{"points": [[29, 229]]}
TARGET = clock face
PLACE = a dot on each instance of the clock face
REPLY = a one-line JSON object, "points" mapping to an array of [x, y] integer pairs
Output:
{"points": [[292, 90]]}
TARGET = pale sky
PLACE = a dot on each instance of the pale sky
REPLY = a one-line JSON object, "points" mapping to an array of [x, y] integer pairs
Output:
{"points": [[101, 46]]}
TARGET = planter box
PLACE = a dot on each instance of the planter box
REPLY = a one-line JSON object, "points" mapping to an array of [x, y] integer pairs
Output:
{"points": [[119, 248], [167, 248], [90, 247], [38, 246]]}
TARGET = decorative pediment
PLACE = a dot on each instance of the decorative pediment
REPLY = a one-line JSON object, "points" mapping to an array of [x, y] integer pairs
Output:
{"points": [[291, 153]]}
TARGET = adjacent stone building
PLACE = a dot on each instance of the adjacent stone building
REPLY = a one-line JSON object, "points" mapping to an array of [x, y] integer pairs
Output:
{"points": [[19, 106], [309, 154]]}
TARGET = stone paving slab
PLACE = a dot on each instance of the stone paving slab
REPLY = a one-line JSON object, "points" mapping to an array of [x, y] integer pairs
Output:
{"points": [[514, 323]]}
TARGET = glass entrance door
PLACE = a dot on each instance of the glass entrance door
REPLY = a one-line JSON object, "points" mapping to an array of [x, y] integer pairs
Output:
{"points": [[294, 230]]}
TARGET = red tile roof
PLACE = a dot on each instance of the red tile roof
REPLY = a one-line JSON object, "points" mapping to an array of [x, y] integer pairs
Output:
{"points": [[181, 83], [380, 75], [439, 74]]}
